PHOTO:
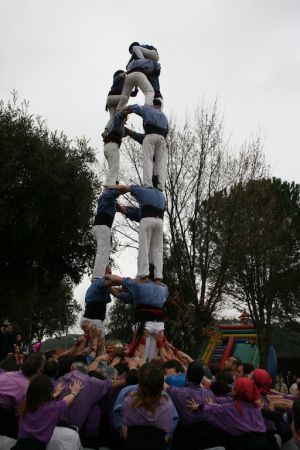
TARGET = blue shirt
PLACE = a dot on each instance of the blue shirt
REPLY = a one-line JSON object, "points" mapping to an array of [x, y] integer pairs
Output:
{"points": [[176, 380], [117, 125], [97, 292], [146, 65], [117, 412], [148, 197], [107, 202], [150, 116], [147, 293]]}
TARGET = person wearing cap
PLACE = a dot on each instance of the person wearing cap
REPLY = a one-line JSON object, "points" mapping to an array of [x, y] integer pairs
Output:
{"points": [[114, 95], [112, 141], [137, 75], [156, 126], [152, 204], [144, 51], [241, 418]]}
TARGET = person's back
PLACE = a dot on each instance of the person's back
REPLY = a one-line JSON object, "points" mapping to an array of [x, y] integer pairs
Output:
{"points": [[147, 410], [192, 389], [13, 386], [94, 390]]}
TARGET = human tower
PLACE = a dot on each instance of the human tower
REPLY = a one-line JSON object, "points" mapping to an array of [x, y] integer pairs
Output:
{"points": [[146, 293]]}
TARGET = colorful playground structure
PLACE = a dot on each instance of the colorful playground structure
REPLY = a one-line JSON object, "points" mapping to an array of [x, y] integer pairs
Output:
{"points": [[235, 340], [232, 340]]}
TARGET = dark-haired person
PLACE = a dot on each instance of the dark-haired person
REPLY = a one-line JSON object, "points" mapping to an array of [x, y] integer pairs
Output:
{"points": [[13, 388], [174, 373], [143, 51], [114, 96], [241, 419], [79, 414], [244, 370], [144, 74], [51, 369], [40, 413], [147, 415], [8, 364], [193, 427], [156, 126], [192, 389]]}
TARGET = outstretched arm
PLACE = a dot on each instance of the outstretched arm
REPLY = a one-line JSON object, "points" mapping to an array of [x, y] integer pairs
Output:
{"points": [[114, 280], [121, 188]]}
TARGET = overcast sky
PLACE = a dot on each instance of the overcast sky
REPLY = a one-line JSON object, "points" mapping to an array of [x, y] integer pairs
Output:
{"points": [[61, 54]]}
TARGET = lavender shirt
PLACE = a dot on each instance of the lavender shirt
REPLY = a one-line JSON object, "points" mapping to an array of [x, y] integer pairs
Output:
{"points": [[161, 418], [13, 388], [235, 418], [41, 423], [180, 397], [93, 391]]}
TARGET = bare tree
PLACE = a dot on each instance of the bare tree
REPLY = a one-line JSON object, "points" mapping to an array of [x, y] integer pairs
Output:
{"points": [[199, 165]]}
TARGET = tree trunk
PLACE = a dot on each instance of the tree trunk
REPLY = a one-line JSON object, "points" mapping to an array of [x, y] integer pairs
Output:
{"points": [[264, 343]]}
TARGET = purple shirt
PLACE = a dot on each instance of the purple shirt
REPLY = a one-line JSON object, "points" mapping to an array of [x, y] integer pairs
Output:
{"points": [[161, 418], [13, 388], [40, 424], [92, 392], [236, 417], [180, 397]]}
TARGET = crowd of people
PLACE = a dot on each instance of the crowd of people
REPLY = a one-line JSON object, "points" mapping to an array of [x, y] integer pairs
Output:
{"points": [[121, 402]]}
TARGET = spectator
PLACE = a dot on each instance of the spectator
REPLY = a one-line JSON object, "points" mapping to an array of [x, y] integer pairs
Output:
{"points": [[294, 389], [149, 407], [280, 385], [174, 373], [13, 386], [40, 413], [94, 390], [244, 370]]}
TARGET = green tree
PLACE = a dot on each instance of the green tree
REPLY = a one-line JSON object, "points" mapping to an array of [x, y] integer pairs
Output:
{"points": [[47, 192], [264, 264]]}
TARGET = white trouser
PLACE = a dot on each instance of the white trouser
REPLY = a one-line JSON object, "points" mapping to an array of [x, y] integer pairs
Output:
{"points": [[151, 350], [112, 103], [112, 156], [145, 53], [102, 234], [140, 80], [154, 145], [64, 439], [6, 442], [150, 246]]}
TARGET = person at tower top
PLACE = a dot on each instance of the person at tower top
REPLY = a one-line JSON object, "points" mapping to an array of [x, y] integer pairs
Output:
{"points": [[139, 51], [156, 126], [137, 73]]}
